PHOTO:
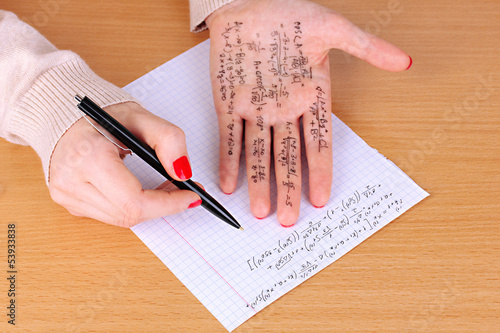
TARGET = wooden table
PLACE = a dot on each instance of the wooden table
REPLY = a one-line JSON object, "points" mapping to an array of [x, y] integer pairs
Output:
{"points": [[435, 269]]}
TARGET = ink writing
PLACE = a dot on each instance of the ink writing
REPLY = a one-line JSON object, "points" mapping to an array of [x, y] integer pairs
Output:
{"points": [[328, 237]]}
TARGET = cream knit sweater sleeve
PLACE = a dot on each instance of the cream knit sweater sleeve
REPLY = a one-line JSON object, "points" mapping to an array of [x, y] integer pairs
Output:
{"points": [[37, 86], [200, 9], [38, 83]]}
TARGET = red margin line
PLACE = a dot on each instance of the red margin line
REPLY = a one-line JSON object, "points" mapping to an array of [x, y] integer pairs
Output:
{"points": [[237, 293]]}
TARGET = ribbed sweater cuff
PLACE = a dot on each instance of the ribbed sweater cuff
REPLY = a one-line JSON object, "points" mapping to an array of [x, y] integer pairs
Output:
{"points": [[200, 9], [48, 109]]}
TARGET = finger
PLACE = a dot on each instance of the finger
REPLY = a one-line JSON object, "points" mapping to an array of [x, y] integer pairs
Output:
{"points": [[230, 140], [168, 140], [86, 200], [85, 192], [288, 172], [258, 163], [85, 209], [344, 35], [120, 187], [317, 123]]}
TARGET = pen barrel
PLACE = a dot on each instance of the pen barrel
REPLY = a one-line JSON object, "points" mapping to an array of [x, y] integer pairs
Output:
{"points": [[123, 135], [208, 202], [149, 156]]}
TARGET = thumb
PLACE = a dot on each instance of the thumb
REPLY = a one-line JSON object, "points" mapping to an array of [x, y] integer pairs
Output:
{"points": [[348, 37]]}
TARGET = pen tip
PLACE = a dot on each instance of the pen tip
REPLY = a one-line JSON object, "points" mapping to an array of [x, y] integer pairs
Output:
{"points": [[241, 228]]}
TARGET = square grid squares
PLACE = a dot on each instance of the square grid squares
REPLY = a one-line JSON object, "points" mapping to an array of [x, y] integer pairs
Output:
{"points": [[212, 259]]}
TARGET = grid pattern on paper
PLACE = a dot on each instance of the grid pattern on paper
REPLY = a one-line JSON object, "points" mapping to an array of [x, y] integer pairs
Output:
{"points": [[212, 259]]}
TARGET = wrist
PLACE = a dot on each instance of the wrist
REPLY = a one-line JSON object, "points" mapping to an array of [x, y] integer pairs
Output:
{"points": [[48, 110]]}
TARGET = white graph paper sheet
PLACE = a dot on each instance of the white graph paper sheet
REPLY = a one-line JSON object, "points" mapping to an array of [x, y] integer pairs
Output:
{"points": [[237, 273]]}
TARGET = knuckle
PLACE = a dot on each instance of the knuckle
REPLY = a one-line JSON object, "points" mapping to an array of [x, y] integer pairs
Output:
{"points": [[174, 204], [61, 184], [59, 176], [131, 213], [56, 182], [171, 133], [57, 196]]}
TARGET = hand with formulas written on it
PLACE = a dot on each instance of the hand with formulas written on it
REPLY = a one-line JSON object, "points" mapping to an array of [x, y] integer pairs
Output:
{"points": [[270, 69]]}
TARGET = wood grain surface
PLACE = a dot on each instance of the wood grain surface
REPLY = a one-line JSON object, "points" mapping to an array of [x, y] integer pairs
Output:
{"points": [[434, 269]]}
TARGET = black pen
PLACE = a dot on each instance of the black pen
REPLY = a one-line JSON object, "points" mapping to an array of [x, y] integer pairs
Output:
{"points": [[148, 155]]}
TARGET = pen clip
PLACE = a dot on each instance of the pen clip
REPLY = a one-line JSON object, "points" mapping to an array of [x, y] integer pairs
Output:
{"points": [[128, 151]]}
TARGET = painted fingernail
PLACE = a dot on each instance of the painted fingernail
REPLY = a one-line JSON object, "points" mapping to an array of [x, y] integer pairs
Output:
{"points": [[182, 168], [195, 204], [259, 218], [227, 193], [318, 206], [287, 226], [411, 62]]}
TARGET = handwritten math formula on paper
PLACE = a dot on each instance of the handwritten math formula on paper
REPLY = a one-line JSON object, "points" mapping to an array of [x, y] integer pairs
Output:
{"points": [[357, 213]]}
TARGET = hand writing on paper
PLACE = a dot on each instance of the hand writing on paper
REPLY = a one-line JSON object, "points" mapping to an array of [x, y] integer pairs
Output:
{"points": [[269, 68], [88, 176]]}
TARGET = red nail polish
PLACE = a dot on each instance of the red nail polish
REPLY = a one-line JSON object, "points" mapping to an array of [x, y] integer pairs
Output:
{"points": [[182, 168], [411, 62], [227, 193], [260, 218], [318, 206], [287, 226], [195, 204]]}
